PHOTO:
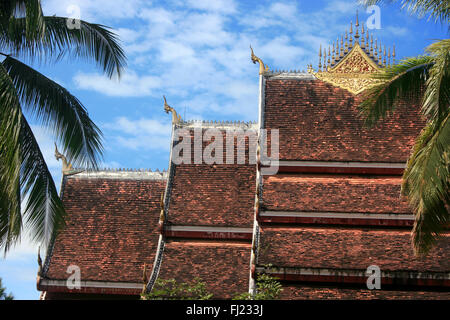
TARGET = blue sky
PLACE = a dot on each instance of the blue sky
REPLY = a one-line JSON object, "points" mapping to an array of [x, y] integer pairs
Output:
{"points": [[195, 52]]}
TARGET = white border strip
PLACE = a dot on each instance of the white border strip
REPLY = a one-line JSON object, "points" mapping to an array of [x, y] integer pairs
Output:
{"points": [[382, 216], [126, 175], [348, 164], [93, 284], [357, 273], [208, 229]]}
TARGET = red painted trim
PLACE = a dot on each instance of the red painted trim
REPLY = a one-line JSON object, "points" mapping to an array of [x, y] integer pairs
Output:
{"points": [[343, 170], [337, 221], [208, 235], [362, 280]]}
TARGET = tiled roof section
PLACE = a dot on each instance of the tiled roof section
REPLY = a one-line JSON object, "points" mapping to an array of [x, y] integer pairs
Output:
{"points": [[111, 228], [223, 266], [349, 248], [334, 193], [213, 195], [318, 121], [302, 292]]}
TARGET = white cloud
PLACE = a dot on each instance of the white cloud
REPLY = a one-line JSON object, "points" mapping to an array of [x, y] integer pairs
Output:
{"points": [[143, 133], [94, 10], [222, 6], [130, 85]]}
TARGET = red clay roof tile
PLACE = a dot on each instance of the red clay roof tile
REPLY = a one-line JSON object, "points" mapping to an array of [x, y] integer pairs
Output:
{"points": [[111, 229], [334, 193], [348, 248], [223, 266], [318, 121]]}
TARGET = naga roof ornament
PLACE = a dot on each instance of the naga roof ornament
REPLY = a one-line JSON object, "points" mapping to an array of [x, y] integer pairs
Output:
{"points": [[352, 64], [176, 119], [262, 67]]}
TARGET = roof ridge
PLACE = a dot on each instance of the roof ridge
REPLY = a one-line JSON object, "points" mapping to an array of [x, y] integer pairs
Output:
{"points": [[119, 173], [218, 123]]}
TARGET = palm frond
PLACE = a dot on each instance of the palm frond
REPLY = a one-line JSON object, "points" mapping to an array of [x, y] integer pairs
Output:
{"points": [[44, 212], [58, 110], [426, 184], [10, 122], [436, 101], [405, 80], [90, 42]]}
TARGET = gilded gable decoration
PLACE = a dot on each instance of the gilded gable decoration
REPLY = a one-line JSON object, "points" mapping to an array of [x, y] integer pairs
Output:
{"points": [[350, 63]]}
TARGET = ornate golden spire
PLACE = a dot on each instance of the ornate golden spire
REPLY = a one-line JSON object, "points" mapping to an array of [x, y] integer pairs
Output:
{"points": [[357, 26], [371, 46], [262, 67], [363, 44], [393, 54], [389, 57], [320, 58], [329, 57], [349, 65], [333, 57], [350, 35], [346, 42], [375, 49]]}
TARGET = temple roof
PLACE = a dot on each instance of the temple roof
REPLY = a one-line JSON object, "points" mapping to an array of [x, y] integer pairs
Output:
{"points": [[347, 248], [221, 265], [111, 228], [318, 121], [334, 193]]}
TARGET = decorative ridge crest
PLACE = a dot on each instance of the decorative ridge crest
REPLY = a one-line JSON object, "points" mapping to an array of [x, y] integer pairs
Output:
{"points": [[217, 124], [350, 64], [122, 173]]}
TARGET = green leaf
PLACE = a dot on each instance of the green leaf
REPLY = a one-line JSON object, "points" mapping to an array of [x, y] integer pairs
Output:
{"points": [[90, 42], [404, 81], [44, 212], [58, 110]]}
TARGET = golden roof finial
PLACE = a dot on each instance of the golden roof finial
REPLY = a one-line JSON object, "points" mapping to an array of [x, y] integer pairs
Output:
{"points": [[380, 54], [367, 41], [363, 44], [175, 117], [329, 56], [320, 58], [262, 67], [346, 43], [393, 54], [371, 46], [389, 56], [375, 49]]}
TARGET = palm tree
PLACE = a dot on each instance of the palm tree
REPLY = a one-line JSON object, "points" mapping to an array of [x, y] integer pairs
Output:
{"points": [[27, 35], [427, 78], [3, 295]]}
